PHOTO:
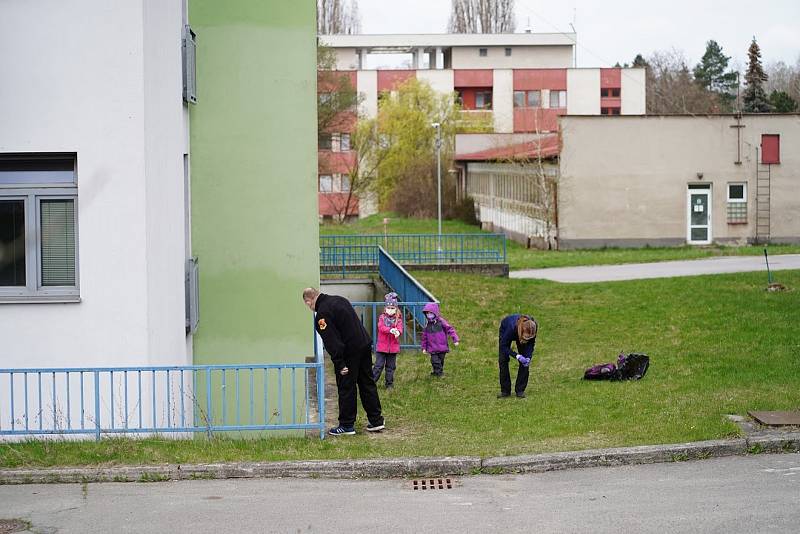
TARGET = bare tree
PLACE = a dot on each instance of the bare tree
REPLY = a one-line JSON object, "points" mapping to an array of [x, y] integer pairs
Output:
{"points": [[338, 17], [482, 16], [361, 162], [783, 77], [671, 88]]}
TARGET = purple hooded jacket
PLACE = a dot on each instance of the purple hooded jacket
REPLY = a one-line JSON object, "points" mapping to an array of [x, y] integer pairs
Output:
{"points": [[435, 333]]}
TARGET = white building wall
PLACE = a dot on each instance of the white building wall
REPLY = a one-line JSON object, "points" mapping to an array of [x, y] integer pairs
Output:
{"points": [[347, 59], [85, 96], [367, 86], [633, 92], [583, 92], [75, 83], [165, 144], [440, 80], [503, 101], [532, 57]]}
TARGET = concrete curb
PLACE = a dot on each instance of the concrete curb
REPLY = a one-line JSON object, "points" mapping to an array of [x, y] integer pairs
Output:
{"points": [[412, 467]]}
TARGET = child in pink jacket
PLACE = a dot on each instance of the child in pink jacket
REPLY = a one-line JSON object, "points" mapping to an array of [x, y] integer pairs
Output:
{"points": [[390, 327]]}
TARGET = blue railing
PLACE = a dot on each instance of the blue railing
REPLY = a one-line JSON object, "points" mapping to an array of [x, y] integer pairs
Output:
{"points": [[420, 249], [348, 259], [402, 283], [165, 399]]}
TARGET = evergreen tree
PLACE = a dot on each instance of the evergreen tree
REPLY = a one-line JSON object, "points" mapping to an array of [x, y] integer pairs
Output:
{"points": [[639, 61], [782, 102], [711, 73], [754, 98]]}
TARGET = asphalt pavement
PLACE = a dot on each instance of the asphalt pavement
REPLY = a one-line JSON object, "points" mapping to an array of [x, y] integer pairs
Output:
{"points": [[756, 493], [664, 269]]}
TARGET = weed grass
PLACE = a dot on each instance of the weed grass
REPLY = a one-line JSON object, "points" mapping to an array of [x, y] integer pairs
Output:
{"points": [[718, 344]]}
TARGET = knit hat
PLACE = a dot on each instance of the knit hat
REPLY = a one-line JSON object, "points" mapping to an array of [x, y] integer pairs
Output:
{"points": [[390, 299]]}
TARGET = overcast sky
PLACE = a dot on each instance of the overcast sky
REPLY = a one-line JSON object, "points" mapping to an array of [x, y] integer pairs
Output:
{"points": [[616, 30]]}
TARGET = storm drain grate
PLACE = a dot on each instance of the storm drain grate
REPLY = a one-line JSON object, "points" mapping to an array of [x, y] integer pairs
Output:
{"points": [[432, 483]]}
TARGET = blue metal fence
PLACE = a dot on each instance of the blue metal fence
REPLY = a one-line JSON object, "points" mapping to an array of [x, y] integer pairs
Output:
{"points": [[402, 283], [165, 399], [353, 250]]}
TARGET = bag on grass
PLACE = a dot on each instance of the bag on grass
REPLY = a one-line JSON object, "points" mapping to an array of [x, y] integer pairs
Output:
{"points": [[631, 366], [603, 371]]}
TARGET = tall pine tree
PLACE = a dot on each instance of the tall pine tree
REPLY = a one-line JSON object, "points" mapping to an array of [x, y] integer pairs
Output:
{"points": [[755, 98], [711, 73]]}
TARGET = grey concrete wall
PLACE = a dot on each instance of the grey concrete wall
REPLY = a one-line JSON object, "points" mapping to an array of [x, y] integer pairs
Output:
{"points": [[623, 180]]}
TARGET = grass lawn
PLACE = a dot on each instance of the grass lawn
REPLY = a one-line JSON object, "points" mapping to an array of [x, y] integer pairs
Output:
{"points": [[521, 258], [718, 345]]}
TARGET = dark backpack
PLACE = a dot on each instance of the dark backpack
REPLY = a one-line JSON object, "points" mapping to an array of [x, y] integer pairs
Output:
{"points": [[628, 367], [633, 366]]}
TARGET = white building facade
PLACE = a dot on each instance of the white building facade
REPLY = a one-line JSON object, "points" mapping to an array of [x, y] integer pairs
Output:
{"points": [[93, 185]]}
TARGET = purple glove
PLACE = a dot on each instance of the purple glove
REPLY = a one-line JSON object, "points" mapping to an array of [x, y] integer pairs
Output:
{"points": [[523, 360]]}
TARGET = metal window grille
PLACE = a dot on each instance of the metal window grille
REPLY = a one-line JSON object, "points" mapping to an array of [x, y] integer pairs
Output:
{"points": [[192, 295], [189, 55]]}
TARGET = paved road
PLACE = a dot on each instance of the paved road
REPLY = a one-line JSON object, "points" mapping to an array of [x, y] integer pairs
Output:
{"points": [[664, 269], [758, 493]]}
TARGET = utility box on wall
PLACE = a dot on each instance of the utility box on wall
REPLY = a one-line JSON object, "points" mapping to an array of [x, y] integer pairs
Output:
{"points": [[770, 148]]}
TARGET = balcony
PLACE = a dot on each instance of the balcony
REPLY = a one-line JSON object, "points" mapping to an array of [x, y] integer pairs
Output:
{"points": [[475, 121]]}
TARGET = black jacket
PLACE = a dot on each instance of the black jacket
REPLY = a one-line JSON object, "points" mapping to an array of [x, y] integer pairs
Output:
{"points": [[340, 328]]}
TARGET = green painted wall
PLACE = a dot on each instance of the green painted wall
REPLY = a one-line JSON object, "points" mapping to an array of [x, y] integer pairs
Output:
{"points": [[254, 166]]}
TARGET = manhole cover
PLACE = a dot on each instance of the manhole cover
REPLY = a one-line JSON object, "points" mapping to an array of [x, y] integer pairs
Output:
{"points": [[432, 483], [7, 526], [776, 418]]}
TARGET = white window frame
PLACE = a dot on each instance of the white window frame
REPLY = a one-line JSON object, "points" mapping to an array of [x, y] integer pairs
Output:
{"points": [[483, 52], [330, 181], [744, 192], [344, 142], [561, 98], [344, 179], [33, 290], [336, 142]]}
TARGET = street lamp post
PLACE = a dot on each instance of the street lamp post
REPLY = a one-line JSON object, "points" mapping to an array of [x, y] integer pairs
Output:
{"points": [[438, 128]]}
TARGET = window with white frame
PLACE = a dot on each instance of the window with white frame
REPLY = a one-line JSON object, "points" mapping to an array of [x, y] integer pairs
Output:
{"points": [[530, 99], [483, 52], [38, 228], [344, 143], [345, 183], [483, 100], [336, 142], [325, 183], [737, 203], [558, 99]]}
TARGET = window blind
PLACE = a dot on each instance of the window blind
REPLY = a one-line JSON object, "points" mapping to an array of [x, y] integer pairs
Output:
{"points": [[58, 242]]}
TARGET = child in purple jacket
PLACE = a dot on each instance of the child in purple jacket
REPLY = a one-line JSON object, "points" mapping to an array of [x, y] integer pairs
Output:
{"points": [[434, 337]]}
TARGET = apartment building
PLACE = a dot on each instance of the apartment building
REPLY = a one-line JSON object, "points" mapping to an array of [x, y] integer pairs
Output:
{"points": [[520, 83]]}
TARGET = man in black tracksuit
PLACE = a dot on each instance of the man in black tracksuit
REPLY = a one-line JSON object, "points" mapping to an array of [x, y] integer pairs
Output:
{"points": [[350, 347]]}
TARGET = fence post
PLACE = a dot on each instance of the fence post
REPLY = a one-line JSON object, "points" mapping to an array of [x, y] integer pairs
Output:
{"points": [[97, 405], [208, 401]]}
